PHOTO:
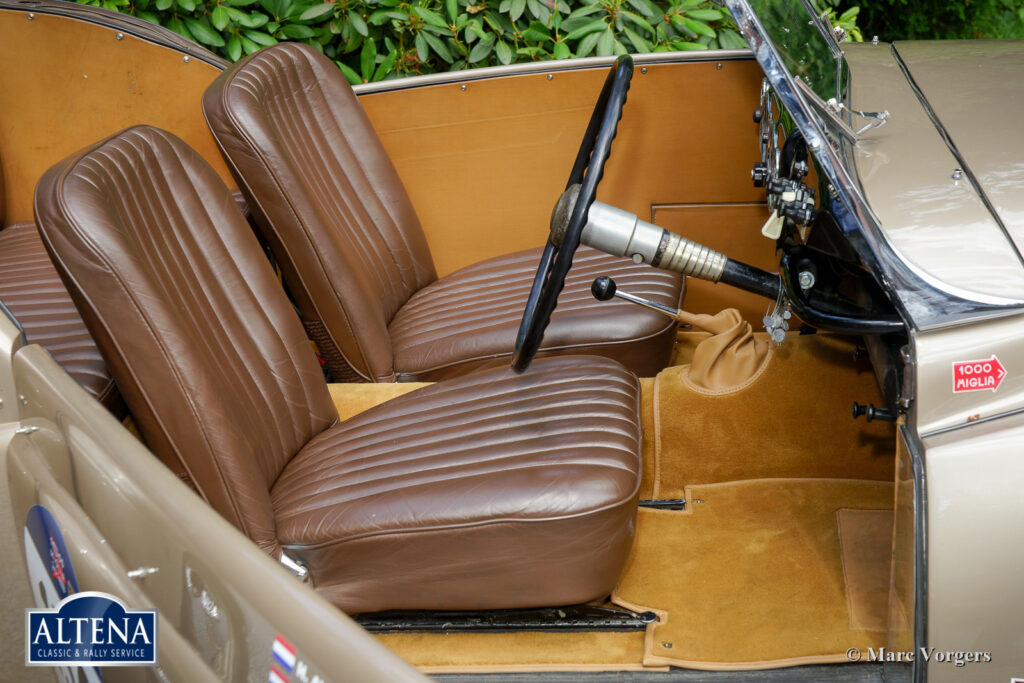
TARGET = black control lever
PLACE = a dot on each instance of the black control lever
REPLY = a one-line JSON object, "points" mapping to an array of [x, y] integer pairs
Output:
{"points": [[872, 412], [603, 289]]}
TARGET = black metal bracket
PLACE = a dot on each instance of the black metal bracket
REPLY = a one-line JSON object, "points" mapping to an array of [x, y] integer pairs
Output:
{"points": [[575, 618], [664, 503]]}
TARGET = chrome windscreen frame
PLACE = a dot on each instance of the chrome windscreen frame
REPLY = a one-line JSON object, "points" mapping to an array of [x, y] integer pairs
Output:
{"points": [[922, 302]]}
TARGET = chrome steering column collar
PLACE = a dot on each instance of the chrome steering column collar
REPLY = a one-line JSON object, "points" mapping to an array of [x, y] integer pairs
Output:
{"points": [[621, 233]]}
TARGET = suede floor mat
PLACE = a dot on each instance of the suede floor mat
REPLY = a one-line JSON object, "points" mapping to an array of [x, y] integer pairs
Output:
{"points": [[794, 421], [752, 576]]}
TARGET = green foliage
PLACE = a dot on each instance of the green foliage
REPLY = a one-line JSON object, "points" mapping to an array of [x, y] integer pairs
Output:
{"points": [[941, 19], [371, 40]]}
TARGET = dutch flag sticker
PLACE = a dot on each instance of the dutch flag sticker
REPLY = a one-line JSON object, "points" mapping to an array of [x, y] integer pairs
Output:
{"points": [[284, 660]]}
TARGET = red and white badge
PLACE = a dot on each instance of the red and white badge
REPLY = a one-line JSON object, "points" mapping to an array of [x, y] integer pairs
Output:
{"points": [[978, 375]]}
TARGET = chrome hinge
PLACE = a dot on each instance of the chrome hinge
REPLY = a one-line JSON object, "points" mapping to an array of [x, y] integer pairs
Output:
{"points": [[909, 366]]}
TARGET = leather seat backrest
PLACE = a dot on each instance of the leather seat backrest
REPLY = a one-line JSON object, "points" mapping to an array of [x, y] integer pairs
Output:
{"points": [[195, 328], [328, 199]]}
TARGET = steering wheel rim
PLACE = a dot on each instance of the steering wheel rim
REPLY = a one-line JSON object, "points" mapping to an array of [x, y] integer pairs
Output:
{"points": [[556, 259]]}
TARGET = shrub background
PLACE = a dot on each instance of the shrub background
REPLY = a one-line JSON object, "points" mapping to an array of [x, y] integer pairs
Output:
{"points": [[371, 40], [926, 19]]}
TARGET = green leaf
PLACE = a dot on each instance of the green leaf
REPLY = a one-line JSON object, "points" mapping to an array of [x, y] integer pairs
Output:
{"points": [[538, 10], [537, 32], [254, 20], [219, 17], [148, 16], [368, 59], [643, 7], [432, 18], [475, 28], [422, 49], [698, 27], [351, 75], [317, 11], [234, 47], [730, 40], [562, 50], [358, 24], [606, 43], [203, 33], [260, 38], [588, 28], [453, 9], [503, 51], [639, 43], [638, 20], [385, 66], [162, 5], [382, 16], [481, 50], [587, 45], [583, 11], [705, 14], [686, 45], [248, 46], [187, 5], [240, 3], [297, 31], [516, 9], [438, 46]]}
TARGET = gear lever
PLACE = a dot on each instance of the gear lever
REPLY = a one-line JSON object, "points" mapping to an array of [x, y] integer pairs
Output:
{"points": [[603, 289], [727, 360]]}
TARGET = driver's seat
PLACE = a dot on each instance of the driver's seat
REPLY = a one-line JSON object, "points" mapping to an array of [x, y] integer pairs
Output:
{"points": [[354, 256]]}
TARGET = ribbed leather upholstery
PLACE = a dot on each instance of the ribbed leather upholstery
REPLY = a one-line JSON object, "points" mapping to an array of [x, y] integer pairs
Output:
{"points": [[498, 478], [204, 346], [334, 210], [354, 254], [491, 490], [472, 316], [31, 289]]}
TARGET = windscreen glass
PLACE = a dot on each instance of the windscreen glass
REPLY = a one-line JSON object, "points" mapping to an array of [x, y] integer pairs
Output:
{"points": [[793, 29]]}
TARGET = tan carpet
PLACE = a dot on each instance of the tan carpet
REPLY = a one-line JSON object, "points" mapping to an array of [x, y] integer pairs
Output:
{"points": [[352, 399], [751, 576], [483, 652], [794, 421], [866, 540]]}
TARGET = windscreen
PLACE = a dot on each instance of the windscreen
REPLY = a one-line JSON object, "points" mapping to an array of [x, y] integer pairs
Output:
{"points": [[793, 28]]}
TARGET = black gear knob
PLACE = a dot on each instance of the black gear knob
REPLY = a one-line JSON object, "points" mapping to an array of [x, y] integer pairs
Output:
{"points": [[603, 288]]}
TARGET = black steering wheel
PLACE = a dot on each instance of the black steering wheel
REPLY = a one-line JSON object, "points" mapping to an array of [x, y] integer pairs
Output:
{"points": [[564, 238]]}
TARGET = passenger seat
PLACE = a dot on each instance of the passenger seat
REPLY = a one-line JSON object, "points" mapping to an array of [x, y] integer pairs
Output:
{"points": [[32, 291], [493, 490]]}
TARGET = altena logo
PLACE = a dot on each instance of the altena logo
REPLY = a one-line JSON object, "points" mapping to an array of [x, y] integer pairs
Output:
{"points": [[91, 629]]}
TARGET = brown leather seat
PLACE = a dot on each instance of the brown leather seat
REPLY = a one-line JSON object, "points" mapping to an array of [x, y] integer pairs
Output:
{"points": [[31, 290], [489, 491], [353, 252]]}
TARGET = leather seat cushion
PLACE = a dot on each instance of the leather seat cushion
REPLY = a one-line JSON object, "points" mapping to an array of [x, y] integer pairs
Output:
{"points": [[493, 490], [32, 291], [471, 317]]}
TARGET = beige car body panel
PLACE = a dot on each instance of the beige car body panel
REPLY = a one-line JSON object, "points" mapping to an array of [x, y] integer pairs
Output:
{"points": [[971, 442], [976, 89], [906, 171]]}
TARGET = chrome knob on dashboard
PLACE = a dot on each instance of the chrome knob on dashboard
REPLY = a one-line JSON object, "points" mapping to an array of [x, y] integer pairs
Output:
{"points": [[759, 174]]}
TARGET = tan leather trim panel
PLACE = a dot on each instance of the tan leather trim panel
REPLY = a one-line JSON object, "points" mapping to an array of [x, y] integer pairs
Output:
{"points": [[485, 165], [74, 83], [730, 228]]}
